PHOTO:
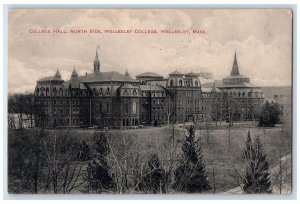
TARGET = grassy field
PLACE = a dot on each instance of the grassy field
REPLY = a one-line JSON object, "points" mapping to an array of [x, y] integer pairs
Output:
{"points": [[216, 152]]}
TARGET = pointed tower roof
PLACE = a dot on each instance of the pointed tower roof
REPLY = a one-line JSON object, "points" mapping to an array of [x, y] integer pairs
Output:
{"points": [[74, 73], [57, 74], [97, 62], [127, 73], [235, 68], [74, 82]]}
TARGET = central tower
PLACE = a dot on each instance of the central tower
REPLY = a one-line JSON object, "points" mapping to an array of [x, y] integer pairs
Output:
{"points": [[97, 62]]}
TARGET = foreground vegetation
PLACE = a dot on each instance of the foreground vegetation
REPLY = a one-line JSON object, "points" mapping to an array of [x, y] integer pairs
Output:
{"points": [[58, 161]]}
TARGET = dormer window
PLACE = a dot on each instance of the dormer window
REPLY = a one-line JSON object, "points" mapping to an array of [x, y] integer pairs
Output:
{"points": [[107, 92], [134, 92]]}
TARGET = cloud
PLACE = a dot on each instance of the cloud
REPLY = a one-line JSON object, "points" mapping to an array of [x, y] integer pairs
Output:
{"points": [[262, 39]]}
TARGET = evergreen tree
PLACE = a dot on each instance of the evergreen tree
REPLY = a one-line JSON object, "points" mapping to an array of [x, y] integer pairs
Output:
{"points": [[269, 115], [155, 179], [98, 176], [84, 152], [257, 177], [248, 150], [191, 176]]}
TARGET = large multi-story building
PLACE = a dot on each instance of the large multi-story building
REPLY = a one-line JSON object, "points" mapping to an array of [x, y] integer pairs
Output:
{"points": [[113, 100]]}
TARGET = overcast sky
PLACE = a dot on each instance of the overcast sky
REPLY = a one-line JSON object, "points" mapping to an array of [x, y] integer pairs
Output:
{"points": [[261, 38]]}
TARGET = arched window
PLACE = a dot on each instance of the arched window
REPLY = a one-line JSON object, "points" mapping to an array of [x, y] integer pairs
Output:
{"points": [[180, 82], [47, 91], [196, 84], [134, 107], [61, 92], [54, 91], [171, 82], [94, 92], [100, 106], [107, 91], [134, 92]]}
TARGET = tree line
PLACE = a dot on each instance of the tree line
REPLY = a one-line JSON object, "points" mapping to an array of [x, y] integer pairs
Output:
{"points": [[56, 162]]}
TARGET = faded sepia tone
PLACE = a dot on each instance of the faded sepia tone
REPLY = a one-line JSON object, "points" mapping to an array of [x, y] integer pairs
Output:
{"points": [[150, 101], [261, 37]]}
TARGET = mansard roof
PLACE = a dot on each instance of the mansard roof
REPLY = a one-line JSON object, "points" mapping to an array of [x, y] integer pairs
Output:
{"points": [[106, 77], [56, 77], [176, 73], [192, 74], [128, 86], [221, 84], [150, 75]]}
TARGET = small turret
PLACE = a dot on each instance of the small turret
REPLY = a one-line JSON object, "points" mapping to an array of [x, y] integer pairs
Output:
{"points": [[57, 74], [74, 82]]}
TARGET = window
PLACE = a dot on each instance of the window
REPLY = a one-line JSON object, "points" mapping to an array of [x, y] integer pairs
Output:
{"points": [[196, 84], [54, 91], [47, 91], [134, 92], [61, 92], [134, 108], [171, 82], [180, 82], [107, 91], [107, 107], [94, 92]]}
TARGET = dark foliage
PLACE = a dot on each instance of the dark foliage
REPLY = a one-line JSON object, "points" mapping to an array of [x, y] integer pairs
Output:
{"points": [[26, 160], [257, 177], [269, 115], [154, 180], [98, 176], [191, 176], [84, 152]]}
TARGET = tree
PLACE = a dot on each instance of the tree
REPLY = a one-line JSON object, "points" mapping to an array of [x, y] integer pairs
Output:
{"points": [[26, 161], [257, 176], [269, 115], [191, 176], [98, 176], [154, 179], [84, 153], [64, 171]]}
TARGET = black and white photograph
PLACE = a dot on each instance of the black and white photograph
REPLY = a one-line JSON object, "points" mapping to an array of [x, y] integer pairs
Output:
{"points": [[150, 101]]}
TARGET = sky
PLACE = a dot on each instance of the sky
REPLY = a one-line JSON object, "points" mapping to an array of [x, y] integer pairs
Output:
{"points": [[262, 39]]}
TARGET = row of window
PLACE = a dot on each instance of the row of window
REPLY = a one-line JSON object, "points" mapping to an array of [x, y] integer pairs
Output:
{"points": [[188, 83]]}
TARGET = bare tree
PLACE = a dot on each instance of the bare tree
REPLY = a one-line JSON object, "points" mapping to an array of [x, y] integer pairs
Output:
{"points": [[64, 170]]}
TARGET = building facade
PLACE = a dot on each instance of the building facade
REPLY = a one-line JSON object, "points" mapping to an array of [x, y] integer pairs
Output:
{"points": [[114, 100]]}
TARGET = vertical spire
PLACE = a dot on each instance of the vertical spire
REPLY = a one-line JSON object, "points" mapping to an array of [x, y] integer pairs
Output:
{"points": [[127, 73], [97, 62], [235, 68]]}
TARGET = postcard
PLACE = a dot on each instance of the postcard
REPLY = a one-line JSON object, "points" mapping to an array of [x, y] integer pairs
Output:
{"points": [[149, 101]]}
